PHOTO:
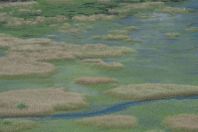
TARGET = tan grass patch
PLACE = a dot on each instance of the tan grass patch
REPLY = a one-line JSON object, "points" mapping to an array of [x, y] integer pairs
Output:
{"points": [[150, 91], [111, 121], [59, 1], [16, 125], [155, 130], [94, 80], [27, 4], [101, 64], [12, 21], [93, 18], [126, 8], [172, 35], [192, 29], [13, 66], [174, 10], [29, 56], [38, 102], [183, 122]]}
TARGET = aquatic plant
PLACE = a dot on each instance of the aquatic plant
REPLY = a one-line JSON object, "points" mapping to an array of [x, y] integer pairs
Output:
{"points": [[182, 122], [150, 91], [192, 29], [174, 10], [94, 80], [39, 101], [172, 35], [102, 64], [93, 18], [111, 121], [16, 125], [30, 56]]}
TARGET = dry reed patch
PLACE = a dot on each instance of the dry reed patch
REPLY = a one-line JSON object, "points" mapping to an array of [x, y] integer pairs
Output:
{"points": [[29, 56], [15, 21], [95, 80], [150, 91], [16, 125], [12, 21], [26, 4], [14, 65], [155, 130], [59, 1], [93, 18], [183, 122], [111, 121], [174, 10], [192, 29], [100, 50], [126, 8], [172, 35], [102, 64], [33, 102]]}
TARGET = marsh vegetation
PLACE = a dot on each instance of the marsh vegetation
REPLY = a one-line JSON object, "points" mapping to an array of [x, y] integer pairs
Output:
{"points": [[70, 57]]}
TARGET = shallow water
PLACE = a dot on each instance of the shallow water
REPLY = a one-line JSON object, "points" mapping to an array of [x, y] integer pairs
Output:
{"points": [[158, 59]]}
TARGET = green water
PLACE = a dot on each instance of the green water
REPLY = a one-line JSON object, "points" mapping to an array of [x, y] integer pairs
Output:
{"points": [[157, 59]]}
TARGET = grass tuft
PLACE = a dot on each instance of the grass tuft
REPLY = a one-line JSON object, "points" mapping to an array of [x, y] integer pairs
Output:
{"points": [[111, 121], [95, 80], [183, 122], [150, 91], [38, 102]]}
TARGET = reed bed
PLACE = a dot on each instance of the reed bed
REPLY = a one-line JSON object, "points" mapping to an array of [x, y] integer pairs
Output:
{"points": [[125, 9], [26, 4], [151, 91], [93, 18], [32, 56], [95, 80], [102, 64], [38, 102], [192, 29], [172, 35], [16, 125], [111, 121], [183, 122], [12, 21]]}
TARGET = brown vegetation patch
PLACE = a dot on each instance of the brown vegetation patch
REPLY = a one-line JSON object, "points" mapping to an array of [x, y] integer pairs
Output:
{"points": [[192, 29], [16, 125], [18, 4], [12, 21], [153, 91], [32, 102], [14, 65], [29, 56], [111, 121], [95, 80], [172, 35], [93, 18], [183, 122], [125, 9], [102, 64]]}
